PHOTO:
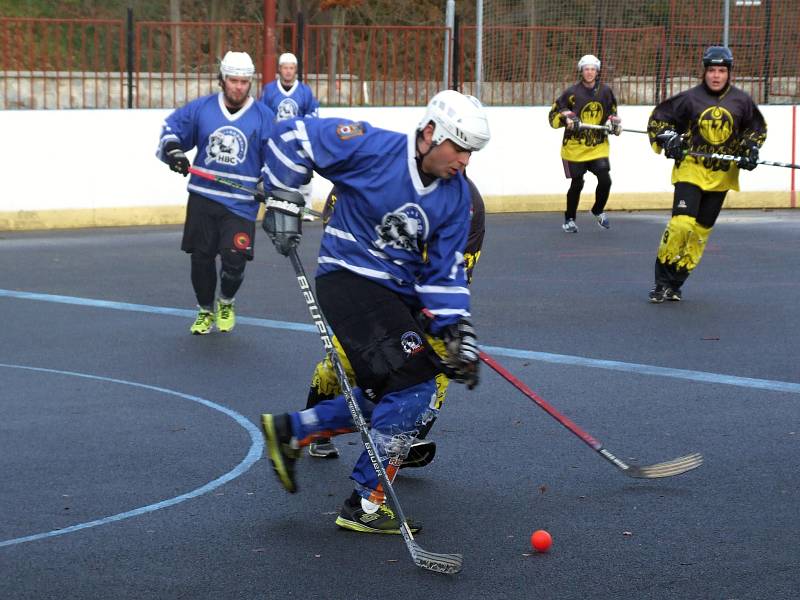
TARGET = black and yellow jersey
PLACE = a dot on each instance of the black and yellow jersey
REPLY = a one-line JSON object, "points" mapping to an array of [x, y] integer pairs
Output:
{"points": [[593, 106], [722, 123]]}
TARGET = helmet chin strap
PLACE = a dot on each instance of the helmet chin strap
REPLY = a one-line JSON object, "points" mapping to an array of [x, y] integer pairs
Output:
{"points": [[420, 156]]}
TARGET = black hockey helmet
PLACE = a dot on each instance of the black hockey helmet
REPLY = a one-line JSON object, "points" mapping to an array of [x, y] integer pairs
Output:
{"points": [[718, 55]]}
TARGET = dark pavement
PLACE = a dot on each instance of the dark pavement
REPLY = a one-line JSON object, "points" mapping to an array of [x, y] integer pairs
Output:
{"points": [[132, 467]]}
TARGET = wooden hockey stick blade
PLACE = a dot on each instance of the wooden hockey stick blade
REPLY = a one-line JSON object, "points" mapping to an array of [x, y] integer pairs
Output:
{"points": [[449, 564], [670, 468]]}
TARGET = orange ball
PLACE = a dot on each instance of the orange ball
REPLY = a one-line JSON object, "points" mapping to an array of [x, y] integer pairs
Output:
{"points": [[541, 540]]}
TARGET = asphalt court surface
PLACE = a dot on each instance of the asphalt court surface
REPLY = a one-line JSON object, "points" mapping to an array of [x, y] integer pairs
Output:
{"points": [[133, 467]]}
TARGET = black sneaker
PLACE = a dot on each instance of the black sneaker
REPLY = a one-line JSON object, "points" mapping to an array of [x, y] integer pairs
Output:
{"points": [[657, 294], [323, 448], [281, 448], [355, 518], [420, 454], [672, 295]]}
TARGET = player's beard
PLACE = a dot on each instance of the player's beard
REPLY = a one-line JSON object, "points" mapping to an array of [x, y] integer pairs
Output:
{"points": [[235, 101]]}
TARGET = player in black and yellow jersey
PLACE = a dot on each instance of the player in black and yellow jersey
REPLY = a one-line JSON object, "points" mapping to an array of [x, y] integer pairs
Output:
{"points": [[712, 117], [582, 150]]}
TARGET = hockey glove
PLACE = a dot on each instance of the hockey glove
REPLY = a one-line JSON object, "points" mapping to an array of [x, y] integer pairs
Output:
{"points": [[462, 352], [260, 195], [176, 159], [571, 120], [282, 219], [673, 144], [749, 154], [614, 124]]}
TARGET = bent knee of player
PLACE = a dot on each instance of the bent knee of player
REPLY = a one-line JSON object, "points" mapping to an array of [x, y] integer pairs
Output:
{"points": [[675, 238]]}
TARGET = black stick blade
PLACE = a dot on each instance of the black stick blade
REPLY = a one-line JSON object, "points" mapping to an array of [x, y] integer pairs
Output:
{"points": [[666, 469]]}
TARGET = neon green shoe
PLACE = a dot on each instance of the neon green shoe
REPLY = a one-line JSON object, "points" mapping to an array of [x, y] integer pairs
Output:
{"points": [[352, 516], [281, 449], [203, 324], [226, 316]]}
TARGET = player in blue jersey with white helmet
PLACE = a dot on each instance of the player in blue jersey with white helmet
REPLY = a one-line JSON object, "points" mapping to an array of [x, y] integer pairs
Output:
{"points": [[288, 97], [393, 246], [230, 131]]}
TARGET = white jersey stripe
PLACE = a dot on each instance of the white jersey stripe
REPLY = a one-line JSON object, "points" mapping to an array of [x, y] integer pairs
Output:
{"points": [[285, 160], [345, 235], [440, 289], [360, 270]]}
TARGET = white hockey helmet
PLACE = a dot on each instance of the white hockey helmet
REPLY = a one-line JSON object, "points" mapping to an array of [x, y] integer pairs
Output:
{"points": [[459, 118], [237, 64], [287, 58], [588, 60]]}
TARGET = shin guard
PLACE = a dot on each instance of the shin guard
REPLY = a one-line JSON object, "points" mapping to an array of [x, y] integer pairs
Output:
{"points": [[683, 242]]}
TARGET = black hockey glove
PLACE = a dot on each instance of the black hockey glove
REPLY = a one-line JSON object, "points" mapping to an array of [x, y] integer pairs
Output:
{"points": [[462, 352], [571, 120], [260, 195], [749, 154], [176, 159], [614, 124], [282, 219], [673, 143]]}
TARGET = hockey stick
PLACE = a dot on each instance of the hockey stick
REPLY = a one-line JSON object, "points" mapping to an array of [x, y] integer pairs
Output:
{"points": [[432, 561], [665, 469], [737, 159], [238, 186], [607, 129]]}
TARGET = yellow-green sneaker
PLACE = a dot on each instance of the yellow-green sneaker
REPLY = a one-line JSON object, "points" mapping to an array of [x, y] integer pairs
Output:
{"points": [[226, 316], [281, 448], [382, 519], [203, 324]]}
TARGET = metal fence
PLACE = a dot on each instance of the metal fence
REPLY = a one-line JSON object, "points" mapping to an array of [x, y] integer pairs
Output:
{"points": [[69, 63]]}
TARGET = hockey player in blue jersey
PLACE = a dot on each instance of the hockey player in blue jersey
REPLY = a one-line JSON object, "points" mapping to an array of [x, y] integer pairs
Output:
{"points": [[393, 246], [288, 97], [230, 131]]}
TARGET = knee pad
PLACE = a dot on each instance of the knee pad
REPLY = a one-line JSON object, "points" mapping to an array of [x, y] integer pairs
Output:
{"points": [[324, 380], [683, 242], [233, 264], [696, 245], [442, 381]]}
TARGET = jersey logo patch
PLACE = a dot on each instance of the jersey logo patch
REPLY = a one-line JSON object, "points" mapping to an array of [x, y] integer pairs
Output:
{"points": [[242, 241], [287, 109], [404, 229], [411, 343], [592, 113], [715, 125], [226, 146], [346, 131]]}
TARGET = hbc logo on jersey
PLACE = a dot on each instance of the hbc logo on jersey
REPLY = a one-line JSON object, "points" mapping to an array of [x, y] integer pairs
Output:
{"points": [[226, 146], [287, 109], [404, 229]]}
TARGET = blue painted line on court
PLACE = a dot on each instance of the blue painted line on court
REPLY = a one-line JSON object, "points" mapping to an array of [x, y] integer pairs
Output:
{"points": [[563, 359], [253, 454]]}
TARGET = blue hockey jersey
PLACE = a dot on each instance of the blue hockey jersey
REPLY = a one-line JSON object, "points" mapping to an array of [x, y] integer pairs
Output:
{"points": [[297, 101], [229, 145], [387, 225]]}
